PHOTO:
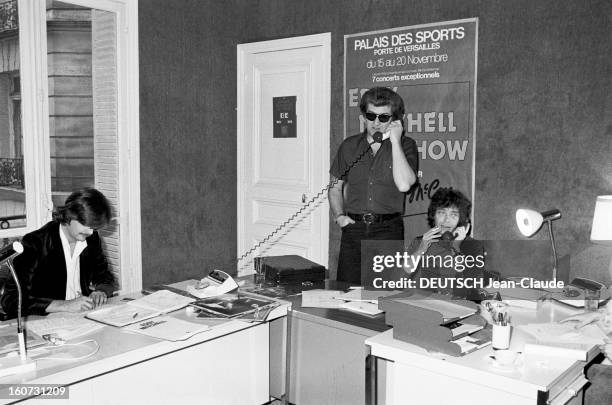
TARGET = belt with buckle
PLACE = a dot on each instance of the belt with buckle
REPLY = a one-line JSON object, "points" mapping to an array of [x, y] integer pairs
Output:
{"points": [[371, 218]]}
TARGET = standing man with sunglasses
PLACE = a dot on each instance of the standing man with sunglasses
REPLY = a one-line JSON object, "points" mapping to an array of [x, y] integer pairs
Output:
{"points": [[371, 173]]}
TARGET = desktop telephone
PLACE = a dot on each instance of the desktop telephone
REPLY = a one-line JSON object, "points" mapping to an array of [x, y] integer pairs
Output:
{"points": [[587, 284], [216, 283]]}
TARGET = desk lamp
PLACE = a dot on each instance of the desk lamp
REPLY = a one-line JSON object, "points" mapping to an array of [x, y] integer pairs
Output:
{"points": [[529, 223], [19, 364], [601, 231]]}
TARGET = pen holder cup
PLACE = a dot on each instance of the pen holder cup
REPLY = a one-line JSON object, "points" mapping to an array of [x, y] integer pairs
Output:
{"points": [[501, 336], [259, 277], [591, 300]]}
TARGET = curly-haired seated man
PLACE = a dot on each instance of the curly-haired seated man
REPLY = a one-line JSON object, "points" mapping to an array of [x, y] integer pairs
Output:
{"points": [[447, 251], [63, 267]]}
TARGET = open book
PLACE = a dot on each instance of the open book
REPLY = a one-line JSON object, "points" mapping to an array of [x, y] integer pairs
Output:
{"points": [[158, 303]]}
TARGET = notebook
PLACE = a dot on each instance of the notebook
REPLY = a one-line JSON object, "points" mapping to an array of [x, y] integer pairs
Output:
{"points": [[152, 305]]}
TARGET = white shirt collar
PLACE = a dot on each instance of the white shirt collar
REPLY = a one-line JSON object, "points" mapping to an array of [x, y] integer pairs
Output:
{"points": [[73, 265]]}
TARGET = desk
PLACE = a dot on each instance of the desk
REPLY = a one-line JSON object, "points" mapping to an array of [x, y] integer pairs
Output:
{"points": [[327, 353], [228, 364], [422, 377]]}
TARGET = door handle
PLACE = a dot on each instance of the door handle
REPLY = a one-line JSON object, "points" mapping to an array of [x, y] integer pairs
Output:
{"points": [[303, 198]]}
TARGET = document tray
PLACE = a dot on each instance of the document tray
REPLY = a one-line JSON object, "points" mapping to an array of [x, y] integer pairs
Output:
{"points": [[431, 321]]}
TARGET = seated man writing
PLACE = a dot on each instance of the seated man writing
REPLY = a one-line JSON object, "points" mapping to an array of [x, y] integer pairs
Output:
{"points": [[63, 267], [447, 252]]}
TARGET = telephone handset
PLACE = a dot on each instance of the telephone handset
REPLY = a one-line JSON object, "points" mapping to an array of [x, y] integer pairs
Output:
{"points": [[379, 136], [448, 235]]}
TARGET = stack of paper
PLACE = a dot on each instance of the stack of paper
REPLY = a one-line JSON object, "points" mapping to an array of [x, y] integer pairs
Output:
{"points": [[470, 343], [167, 328], [357, 299], [359, 294], [522, 297], [321, 298], [8, 339], [363, 307], [563, 339], [63, 325]]}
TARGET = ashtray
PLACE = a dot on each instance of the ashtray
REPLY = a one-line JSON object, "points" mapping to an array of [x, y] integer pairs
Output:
{"points": [[506, 360]]}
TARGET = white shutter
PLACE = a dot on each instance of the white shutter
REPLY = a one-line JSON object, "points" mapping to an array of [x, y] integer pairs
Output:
{"points": [[9, 54], [106, 149]]}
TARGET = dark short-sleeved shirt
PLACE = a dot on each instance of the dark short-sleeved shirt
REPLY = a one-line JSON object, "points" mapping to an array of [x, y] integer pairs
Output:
{"points": [[369, 185]]}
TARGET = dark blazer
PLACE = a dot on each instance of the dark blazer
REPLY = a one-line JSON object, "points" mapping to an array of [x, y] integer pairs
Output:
{"points": [[41, 270]]}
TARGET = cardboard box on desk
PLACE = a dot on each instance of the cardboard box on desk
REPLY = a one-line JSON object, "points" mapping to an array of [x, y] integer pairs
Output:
{"points": [[290, 269]]}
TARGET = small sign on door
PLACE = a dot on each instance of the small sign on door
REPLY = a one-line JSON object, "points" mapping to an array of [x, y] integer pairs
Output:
{"points": [[283, 109]]}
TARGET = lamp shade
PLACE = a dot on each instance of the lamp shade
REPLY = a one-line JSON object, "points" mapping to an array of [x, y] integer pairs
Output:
{"points": [[528, 221], [601, 231]]}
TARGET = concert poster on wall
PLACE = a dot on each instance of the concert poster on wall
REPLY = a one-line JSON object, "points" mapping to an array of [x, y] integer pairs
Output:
{"points": [[433, 68]]}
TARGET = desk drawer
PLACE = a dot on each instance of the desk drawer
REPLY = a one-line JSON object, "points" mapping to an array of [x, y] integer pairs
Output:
{"points": [[559, 389], [572, 393]]}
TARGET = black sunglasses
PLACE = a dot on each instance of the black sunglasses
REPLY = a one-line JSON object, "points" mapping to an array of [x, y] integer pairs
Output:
{"points": [[381, 117]]}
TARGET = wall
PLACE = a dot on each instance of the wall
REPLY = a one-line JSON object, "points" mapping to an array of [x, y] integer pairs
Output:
{"points": [[543, 136]]}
